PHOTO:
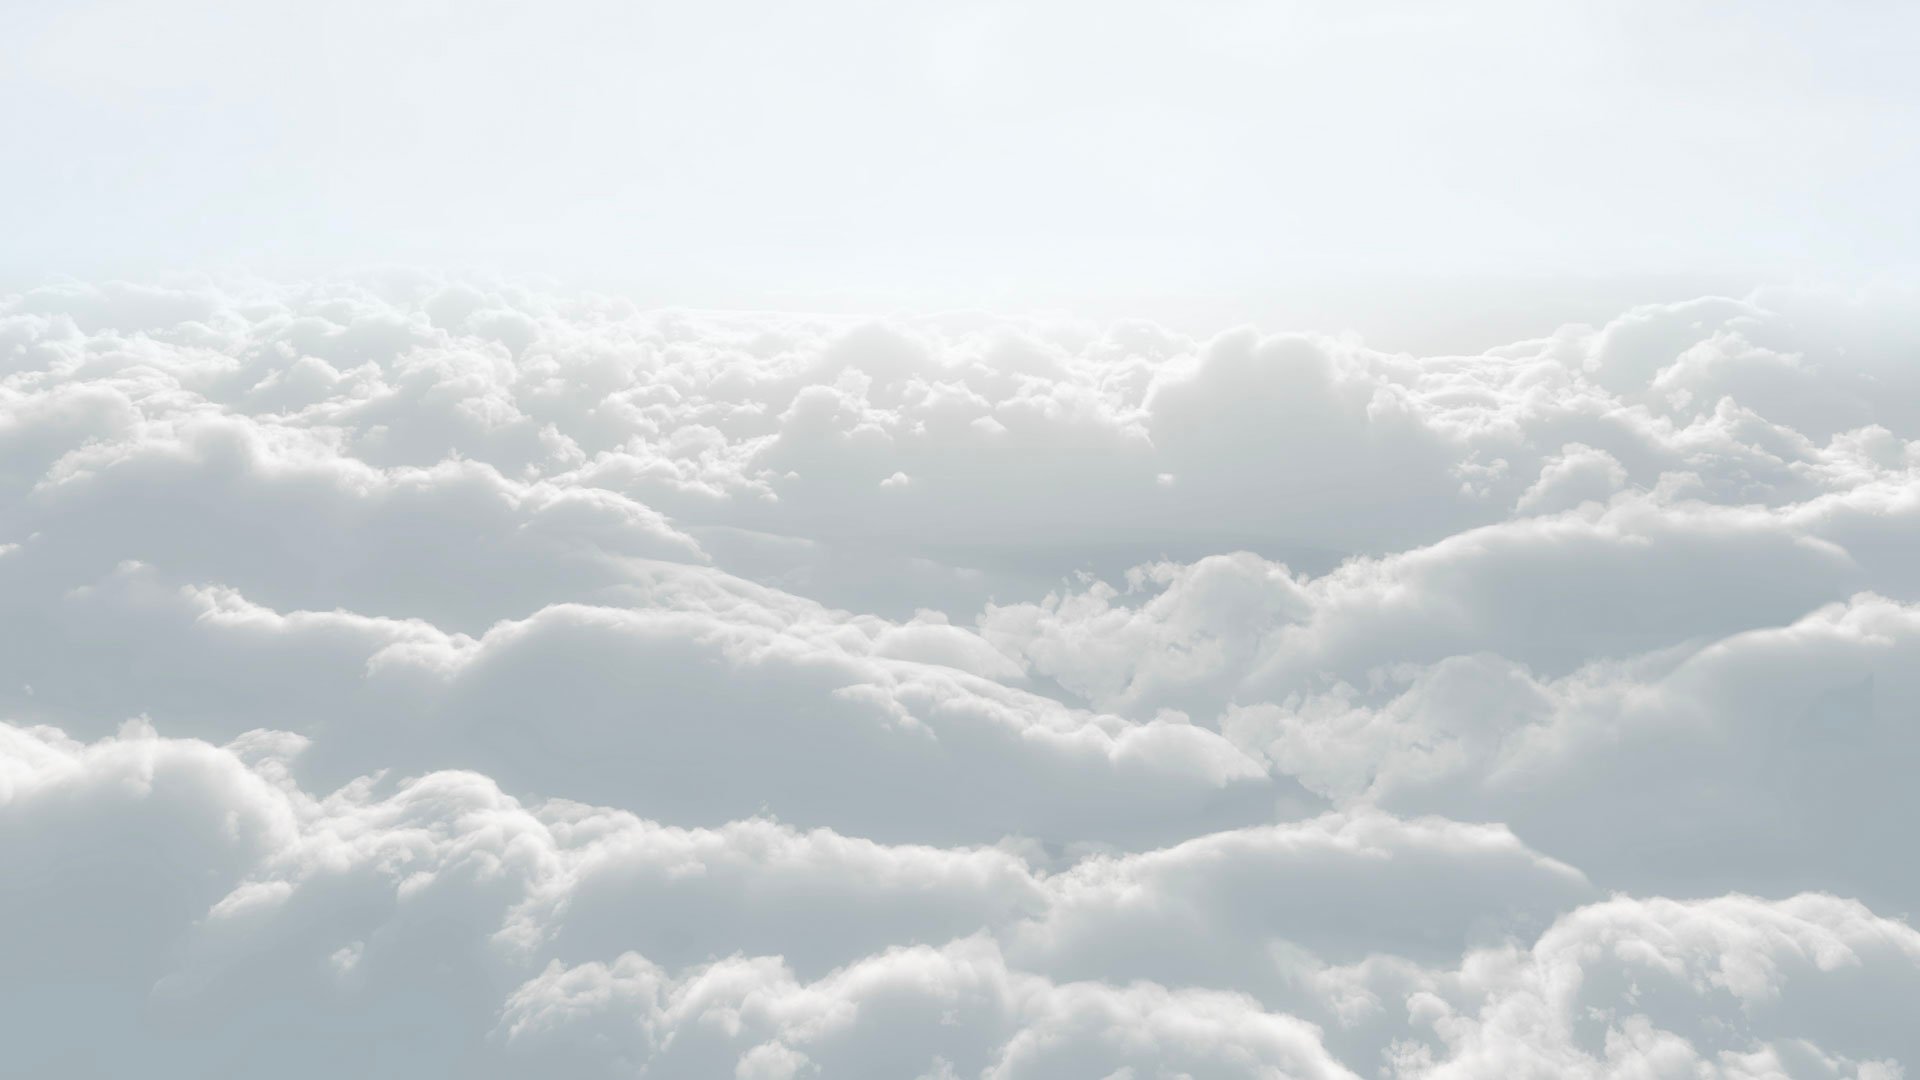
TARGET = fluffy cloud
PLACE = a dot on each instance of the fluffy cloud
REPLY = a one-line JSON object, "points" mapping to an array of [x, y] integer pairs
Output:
{"points": [[188, 889], [1803, 731], [404, 677], [1661, 988], [692, 701]]}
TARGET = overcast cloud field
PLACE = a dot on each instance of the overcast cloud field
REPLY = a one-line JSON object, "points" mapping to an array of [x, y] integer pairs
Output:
{"points": [[1120, 542], [405, 676]]}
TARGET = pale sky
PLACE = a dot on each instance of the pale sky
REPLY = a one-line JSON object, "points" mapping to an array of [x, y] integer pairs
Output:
{"points": [[1290, 163]]}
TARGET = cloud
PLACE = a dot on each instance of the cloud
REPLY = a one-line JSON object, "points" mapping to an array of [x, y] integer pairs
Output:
{"points": [[666, 710], [1800, 729], [438, 919], [405, 676], [1709, 988], [252, 894], [1578, 474], [1248, 908], [1633, 576]]}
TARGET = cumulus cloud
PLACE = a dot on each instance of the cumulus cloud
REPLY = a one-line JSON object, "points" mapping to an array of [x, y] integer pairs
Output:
{"points": [[405, 677], [190, 888]]}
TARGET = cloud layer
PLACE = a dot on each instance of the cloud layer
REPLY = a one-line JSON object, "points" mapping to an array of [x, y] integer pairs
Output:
{"points": [[415, 678]]}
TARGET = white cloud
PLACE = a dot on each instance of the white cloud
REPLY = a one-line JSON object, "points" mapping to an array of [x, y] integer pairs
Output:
{"points": [[437, 678], [441, 917], [1578, 474], [1663, 988]]}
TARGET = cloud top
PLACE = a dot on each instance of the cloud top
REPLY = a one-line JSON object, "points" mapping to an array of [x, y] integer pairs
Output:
{"points": [[405, 677]]}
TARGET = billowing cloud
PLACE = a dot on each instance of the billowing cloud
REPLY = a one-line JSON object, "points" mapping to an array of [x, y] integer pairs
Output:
{"points": [[188, 889], [405, 677]]}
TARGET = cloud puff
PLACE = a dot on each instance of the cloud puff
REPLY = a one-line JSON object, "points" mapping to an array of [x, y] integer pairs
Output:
{"points": [[692, 701], [1802, 731], [405, 677], [1710, 988], [250, 893], [189, 889], [1239, 627]]}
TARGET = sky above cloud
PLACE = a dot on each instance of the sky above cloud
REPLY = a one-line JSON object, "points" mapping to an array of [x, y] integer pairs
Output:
{"points": [[1434, 176], [411, 675]]}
